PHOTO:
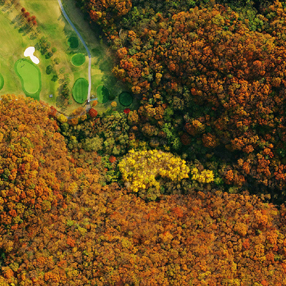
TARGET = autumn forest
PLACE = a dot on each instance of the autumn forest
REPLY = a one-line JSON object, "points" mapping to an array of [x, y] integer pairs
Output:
{"points": [[186, 189]]}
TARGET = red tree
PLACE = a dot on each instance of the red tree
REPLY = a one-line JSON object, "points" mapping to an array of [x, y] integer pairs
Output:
{"points": [[92, 112]]}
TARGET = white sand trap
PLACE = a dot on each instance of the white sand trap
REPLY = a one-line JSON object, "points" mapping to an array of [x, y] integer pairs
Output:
{"points": [[30, 53]]}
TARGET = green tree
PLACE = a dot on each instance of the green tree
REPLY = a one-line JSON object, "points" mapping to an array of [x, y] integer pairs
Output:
{"points": [[55, 77], [57, 61], [93, 144], [49, 69], [48, 55]]}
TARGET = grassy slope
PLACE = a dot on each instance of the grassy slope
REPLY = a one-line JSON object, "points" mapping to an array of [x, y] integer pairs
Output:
{"points": [[10, 52], [30, 76], [58, 31], [52, 25]]}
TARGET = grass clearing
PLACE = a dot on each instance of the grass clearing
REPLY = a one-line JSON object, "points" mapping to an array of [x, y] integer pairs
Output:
{"points": [[78, 59], [80, 90], [30, 77]]}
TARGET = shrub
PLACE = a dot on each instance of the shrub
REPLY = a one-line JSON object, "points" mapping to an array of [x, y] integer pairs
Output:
{"points": [[49, 69]]}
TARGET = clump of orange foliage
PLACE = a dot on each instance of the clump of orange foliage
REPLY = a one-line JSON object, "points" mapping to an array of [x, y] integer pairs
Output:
{"points": [[33, 167]]}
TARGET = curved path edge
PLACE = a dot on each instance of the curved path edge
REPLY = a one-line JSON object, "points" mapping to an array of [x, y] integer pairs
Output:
{"points": [[84, 44]]}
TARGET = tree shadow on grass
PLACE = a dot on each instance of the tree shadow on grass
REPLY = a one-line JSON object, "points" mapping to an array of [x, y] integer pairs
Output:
{"points": [[106, 65], [6, 6], [73, 41], [98, 53], [111, 83], [62, 102], [33, 36], [17, 21], [25, 29]]}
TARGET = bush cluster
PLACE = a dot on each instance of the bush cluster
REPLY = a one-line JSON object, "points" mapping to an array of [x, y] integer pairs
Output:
{"points": [[140, 169]]}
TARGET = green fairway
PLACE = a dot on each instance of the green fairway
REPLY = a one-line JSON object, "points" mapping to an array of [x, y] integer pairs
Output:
{"points": [[80, 90], [78, 59], [57, 47], [1, 81], [30, 76], [125, 98], [102, 94]]}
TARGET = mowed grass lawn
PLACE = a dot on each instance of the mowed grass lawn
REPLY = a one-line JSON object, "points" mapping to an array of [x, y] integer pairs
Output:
{"points": [[80, 90], [57, 29], [30, 76], [1, 81], [52, 25], [14, 43], [11, 49], [99, 51], [78, 59]]}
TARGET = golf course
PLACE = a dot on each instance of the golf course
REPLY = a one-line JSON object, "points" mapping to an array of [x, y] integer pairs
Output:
{"points": [[56, 58]]}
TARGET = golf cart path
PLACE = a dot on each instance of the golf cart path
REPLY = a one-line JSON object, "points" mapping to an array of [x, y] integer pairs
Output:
{"points": [[83, 42]]}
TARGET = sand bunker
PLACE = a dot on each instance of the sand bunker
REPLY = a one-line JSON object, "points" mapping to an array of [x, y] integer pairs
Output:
{"points": [[30, 53]]}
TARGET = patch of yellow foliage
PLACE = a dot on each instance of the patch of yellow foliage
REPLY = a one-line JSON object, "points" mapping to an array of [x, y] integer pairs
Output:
{"points": [[139, 169], [206, 176]]}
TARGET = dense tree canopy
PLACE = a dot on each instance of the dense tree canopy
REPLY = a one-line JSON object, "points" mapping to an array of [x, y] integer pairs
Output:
{"points": [[75, 229], [211, 83], [34, 164], [77, 209]]}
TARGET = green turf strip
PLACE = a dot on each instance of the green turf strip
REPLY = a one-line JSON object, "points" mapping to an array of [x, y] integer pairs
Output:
{"points": [[78, 59], [30, 77], [1, 81], [80, 90], [102, 94]]}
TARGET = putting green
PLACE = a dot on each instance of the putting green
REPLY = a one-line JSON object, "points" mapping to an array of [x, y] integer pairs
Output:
{"points": [[30, 76], [1, 81], [78, 59], [80, 90], [125, 98], [102, 94], [73, 42]]}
